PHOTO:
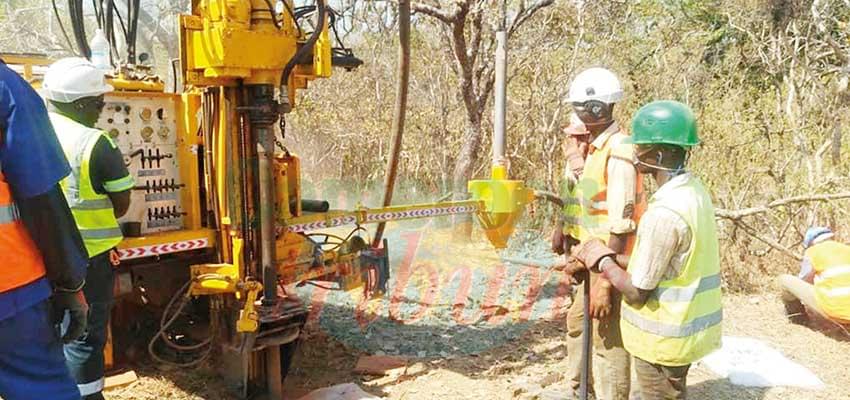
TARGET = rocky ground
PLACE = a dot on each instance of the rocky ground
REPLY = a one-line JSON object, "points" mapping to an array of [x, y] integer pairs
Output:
{"points": [[471, 326]]}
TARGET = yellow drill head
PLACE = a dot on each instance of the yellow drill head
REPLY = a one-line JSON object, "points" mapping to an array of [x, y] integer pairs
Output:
{"points": [[503, 203]]}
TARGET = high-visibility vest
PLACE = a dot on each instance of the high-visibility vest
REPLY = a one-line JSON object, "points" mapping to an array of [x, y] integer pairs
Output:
{"points": [[92, 211], [831, 262], [681, 321], [586, 210], [20, 260]]}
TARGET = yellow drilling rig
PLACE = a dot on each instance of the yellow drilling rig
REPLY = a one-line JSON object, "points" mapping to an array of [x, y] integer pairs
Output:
{"points": [[218, 223]]}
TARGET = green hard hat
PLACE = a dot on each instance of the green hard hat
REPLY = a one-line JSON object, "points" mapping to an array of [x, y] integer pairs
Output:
{"points": [[664, 122]]}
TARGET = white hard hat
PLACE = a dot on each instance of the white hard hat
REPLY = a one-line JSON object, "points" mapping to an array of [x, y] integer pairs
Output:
{"points": [[73, 78], [595, 84]]}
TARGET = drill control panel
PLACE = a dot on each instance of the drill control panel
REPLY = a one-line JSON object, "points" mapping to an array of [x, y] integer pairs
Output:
{"points": [[144, 127]]}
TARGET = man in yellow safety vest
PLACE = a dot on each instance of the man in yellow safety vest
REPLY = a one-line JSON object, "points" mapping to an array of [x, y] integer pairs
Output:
{"points": [[823, 286], [671, 312], [98, 192]]}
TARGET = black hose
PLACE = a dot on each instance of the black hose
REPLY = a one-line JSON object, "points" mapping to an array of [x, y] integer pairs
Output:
{"points": [[400, 110], [75, 10], [132, 29], [307, 47], [166, 321], [121, 21], [98, 13], [61, 25], [109, 25], [294, 20], [271, 12]]}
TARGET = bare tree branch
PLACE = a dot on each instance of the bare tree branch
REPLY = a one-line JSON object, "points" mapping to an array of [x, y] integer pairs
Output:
{"points": [[768, 241], [746, 212], [435, 12], [525, 13]]}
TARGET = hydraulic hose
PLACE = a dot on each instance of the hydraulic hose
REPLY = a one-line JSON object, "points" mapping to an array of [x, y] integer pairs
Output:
{"points": [[306, 48], [400, 109], [75, 9], [170, 314]]}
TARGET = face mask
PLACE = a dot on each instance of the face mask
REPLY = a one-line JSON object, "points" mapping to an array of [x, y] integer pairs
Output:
{"points": [[659, 156]]}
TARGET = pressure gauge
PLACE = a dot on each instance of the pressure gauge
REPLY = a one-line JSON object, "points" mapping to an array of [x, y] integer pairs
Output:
{"points": [[146, 114], [147, 133]]}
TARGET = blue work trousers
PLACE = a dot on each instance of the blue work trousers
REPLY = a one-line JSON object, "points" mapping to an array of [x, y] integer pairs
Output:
{"points": [[31, 361], [84, 356]]}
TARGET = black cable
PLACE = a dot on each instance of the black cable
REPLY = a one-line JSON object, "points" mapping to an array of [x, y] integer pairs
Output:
{"points": [[133, 22], [97, 14], [109, 24], [332, 24], [121, 21], [75, 10], [294, 20], [61, 25], [307, 47], [271, 12]]}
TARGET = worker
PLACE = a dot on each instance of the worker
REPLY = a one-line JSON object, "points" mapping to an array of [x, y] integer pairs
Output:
{"points": [[609, 196], [98, 192], [576, 142], [671, 312], [823, 285], [42, 257]]}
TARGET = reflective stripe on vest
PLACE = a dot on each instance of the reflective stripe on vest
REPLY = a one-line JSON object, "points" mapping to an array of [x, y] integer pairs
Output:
{"points": [[20, 260], [681, 321], [831, 262], [104, 233], [92, 211], [589, 218], [97, 204], [685, 294], [690, 328], [8, 214]]}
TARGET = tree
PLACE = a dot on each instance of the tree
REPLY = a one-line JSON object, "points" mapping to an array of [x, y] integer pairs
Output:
{"points": [[466, 28]]}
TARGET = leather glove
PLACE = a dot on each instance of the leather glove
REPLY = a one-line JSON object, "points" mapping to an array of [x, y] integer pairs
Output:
{"points": [[571, 244], [76, 305], [575, 157], [601, 298], [558, 239], [576, 271], [591, 252]]}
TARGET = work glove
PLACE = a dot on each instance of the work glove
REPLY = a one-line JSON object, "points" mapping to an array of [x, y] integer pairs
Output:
{"points": [[575, 270], [570, 244], [78, 309], [601, 298], [558, 239], [575, 153], [591, 252]]}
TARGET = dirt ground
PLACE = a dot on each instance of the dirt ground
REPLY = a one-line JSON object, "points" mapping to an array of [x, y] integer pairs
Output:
{"points": [[533, 363]]}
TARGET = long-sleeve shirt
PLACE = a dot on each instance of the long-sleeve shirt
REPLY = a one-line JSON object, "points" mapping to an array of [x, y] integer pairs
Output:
{"points": [[665, 240], [33, 164]]}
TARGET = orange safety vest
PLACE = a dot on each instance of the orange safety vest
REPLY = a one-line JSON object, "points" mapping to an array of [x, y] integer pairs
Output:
{"points": [[20, 260], [589, 217], [831, 262]]}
